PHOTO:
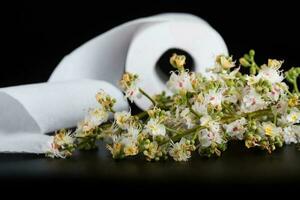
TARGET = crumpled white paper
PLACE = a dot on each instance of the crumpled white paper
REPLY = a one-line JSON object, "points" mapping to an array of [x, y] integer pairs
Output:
{"points": [[28, 112]]}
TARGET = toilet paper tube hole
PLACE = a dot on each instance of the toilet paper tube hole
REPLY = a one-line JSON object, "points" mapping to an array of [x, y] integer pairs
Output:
{"points": [[163, 66]]}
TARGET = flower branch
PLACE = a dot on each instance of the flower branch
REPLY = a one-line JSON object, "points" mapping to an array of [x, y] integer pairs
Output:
{"points": [[201, 114]]}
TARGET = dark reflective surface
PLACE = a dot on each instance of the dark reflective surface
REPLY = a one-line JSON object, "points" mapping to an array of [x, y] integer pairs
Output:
{"points": [[237, 165]]}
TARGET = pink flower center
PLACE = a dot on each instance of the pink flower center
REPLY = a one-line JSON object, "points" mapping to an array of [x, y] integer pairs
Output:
{"points": [[210, 135], [180, 84], [253, 102]]}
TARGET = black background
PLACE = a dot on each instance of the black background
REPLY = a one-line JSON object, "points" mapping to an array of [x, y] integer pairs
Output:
{"points": [[37, 35]]}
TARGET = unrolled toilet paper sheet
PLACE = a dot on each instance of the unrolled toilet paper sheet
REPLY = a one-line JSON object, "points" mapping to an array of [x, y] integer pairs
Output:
{"points": [[30, 111]]}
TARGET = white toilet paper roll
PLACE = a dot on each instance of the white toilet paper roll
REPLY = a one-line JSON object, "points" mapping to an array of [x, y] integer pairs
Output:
{"points": [[201, 42], [28, 111], [136, 46]]}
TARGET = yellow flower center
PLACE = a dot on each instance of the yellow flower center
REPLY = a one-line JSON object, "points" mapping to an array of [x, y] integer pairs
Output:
{"points": [[153, 128], [294, 117], [269, 130], [117, 148], [293, 101], [130, 151], [226, 64]]}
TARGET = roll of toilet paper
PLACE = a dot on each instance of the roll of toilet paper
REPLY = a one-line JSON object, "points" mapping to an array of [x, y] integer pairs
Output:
{"points": [[136, 47], [29, 111]]}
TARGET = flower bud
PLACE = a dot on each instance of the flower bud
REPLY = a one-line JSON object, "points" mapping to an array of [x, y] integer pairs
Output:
{"points": [[178, 61], [244, 62], [252, 53], [264, 143], [257, 137], [273, 147]]}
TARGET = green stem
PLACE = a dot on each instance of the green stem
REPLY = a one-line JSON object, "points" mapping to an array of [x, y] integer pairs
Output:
{"points": [[112, 110], [275, 118], [192, 130], [147, 96], [258, 113], [296, 86], [182, 134], [224, 120], [253, 69], [285, 89], [193, 111], [173, 130], [226, 107], [141, 115], [106, 125]]}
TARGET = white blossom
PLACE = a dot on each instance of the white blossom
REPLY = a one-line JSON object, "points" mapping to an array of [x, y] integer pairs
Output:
{"points": [[225, 62], [214, 97], [59, 144], [155, 128], [128, 142], [269, 129], [215, 127], [105, 100], [187, 117], [251, 80], [289, 135], [64, 139], [222, 63], [200, 108], [231, 75], [133, 132], [84, 127], [252, 101], [181, 151], [237, 128], [205, 120], [130, 86], [270, 74], [275, 92], [294, 116], [97, 116], [122, 119], [280, 107], [180, 82], [211, 134], [233, 98], [133, 93]]}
